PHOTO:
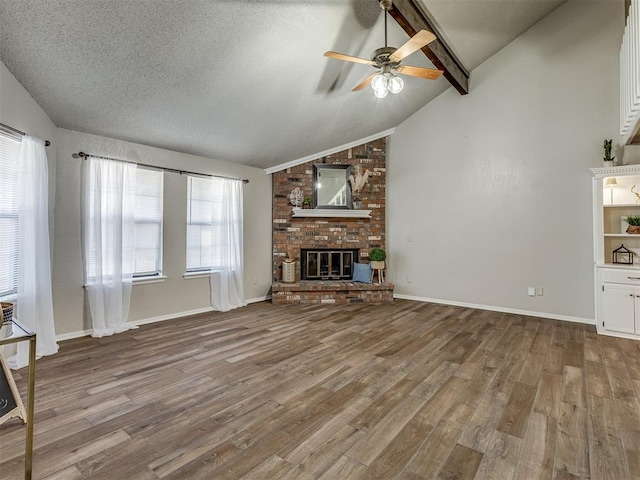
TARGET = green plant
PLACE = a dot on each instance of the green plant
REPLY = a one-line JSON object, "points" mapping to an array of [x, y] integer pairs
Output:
{"points": [[377, 255], [608, 145], [306, 202], [633, 220]]}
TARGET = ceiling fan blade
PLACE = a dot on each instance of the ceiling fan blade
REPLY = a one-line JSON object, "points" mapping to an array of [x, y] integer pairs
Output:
{"points": [[364, 83], [416, 42], [348, 58], [430, 73]]}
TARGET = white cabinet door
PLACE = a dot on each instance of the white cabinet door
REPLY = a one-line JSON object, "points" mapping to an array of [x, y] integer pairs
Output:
{"points": [[618, 305]]}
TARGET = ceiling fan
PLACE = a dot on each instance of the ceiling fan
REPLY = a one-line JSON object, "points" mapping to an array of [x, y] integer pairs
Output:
{"points": [[387, 59]]}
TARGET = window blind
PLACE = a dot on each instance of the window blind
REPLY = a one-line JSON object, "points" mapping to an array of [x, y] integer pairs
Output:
{"points": [[204, 221], [9, 151], [148, 222]]}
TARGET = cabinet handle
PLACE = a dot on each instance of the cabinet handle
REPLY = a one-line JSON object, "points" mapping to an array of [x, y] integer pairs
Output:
{"points": [[633, 278], [631, 294]]}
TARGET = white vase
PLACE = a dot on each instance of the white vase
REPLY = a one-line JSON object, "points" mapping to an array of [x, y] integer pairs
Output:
{"points": [[607, 163]]}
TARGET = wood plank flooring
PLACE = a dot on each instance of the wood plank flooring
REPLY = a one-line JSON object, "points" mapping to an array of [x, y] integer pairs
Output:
{"points": [[408, 391]]}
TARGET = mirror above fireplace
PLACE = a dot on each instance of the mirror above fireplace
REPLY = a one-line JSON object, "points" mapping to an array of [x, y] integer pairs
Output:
{"points": [[331, 187]]}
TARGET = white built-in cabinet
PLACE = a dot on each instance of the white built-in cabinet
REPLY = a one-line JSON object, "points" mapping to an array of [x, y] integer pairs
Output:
{"points": [[620, 307], [617, 286]]}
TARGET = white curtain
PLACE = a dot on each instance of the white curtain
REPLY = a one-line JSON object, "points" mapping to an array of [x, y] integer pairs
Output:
{"points": [[227, 291], [109, 233], [35, 303]]}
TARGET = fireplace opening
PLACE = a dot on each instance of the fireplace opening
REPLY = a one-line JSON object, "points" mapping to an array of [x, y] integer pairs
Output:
{"points": [[327, 263]]}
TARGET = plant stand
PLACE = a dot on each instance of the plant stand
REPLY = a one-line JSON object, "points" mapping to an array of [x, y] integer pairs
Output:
{"points": [[377, 266], [380, 272]]}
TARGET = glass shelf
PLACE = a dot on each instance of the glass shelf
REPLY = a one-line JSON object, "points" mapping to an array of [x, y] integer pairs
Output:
{"points": [[13, 331]]}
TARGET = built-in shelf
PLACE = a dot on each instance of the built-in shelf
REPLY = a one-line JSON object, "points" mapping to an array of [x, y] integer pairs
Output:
{"points": [[331, 212], [634, 266], [622, 205], [631, 235]]}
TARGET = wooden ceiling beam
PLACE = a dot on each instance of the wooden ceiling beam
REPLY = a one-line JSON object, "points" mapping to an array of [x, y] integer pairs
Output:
{"points": [[412, 17]]}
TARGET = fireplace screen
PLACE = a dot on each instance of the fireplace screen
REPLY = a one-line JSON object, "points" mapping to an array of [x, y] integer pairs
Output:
{"points": [[327, 264]]}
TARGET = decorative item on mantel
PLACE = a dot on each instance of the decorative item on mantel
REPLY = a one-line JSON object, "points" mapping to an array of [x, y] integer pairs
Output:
{"points": [[636, 194], [296, 197], [634, 224], [377, 257], [306, 203], [357, 183], [608, 159], [623, 255]]}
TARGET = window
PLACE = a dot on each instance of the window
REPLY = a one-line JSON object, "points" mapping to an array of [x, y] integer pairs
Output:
{"points": [[147, 226], [204, 224], [148, 222], [9, 151]]}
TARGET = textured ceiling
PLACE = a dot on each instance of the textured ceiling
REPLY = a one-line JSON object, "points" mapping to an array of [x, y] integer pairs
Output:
{"points": [[244, 81]]}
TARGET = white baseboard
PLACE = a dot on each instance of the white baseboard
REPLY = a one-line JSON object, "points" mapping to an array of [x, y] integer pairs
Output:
{"points": [[72, 335], [258, 299], [161, 318], [529, 313], [171, 316]]}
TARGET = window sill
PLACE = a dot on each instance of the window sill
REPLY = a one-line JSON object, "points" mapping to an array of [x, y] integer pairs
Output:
{"points": [[9, 298], [190, 275], [144, 280], [148, 280]]}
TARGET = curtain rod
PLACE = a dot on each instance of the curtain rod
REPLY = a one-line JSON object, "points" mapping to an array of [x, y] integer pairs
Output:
{"points": [[173, 170], [15, 130]]}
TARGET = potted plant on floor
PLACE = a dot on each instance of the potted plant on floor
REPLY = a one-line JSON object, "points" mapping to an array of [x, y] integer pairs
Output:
{"points": [[377, 257]]}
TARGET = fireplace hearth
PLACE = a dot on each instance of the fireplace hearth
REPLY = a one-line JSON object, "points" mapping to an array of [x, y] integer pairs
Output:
{"points": [[327, 263]]}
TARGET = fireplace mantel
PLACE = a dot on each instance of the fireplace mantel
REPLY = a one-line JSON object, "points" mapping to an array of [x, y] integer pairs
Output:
{"points": [[331, 212]]}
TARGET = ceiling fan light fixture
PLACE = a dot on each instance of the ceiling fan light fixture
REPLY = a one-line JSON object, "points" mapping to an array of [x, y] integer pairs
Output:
{"points": [[395, 84], [381, 93], [379, 82]]}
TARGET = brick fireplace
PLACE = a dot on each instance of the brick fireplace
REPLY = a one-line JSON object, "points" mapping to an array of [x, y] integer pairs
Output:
{"points": [[291, 235]]}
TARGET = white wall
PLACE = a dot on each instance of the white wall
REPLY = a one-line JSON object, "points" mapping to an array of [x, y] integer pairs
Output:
{"points": [[489, 193], [20, 111], [173, 297], [176, 295]]}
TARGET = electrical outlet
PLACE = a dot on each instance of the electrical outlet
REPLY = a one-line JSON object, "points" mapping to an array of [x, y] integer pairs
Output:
{"points": [[409, 279], [255, 280], [539, 291], [531, 291], [409, 238]]}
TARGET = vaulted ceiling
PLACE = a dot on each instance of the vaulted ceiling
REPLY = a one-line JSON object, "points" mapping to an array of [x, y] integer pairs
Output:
{"points": [[243, 81]]}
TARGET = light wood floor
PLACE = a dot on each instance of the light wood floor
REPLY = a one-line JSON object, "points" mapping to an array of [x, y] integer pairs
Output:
{"points": [[409, 391]]}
